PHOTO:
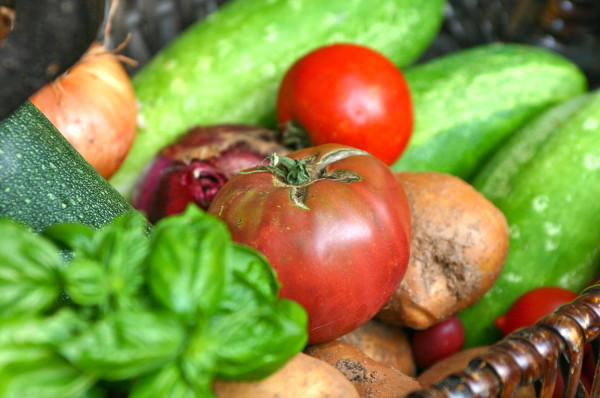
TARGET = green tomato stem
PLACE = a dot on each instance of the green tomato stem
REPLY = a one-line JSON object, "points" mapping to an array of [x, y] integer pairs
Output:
{"points": [[293, 171]]}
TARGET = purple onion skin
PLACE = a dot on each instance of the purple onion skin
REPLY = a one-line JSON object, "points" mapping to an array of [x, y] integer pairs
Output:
{"points": [[196, 166]]}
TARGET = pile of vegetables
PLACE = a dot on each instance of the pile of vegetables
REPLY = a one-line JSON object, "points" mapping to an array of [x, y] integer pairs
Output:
{"points": [[292, 203]]}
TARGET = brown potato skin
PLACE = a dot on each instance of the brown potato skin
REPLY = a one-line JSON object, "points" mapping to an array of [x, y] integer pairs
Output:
{"points": [[302, 377], [384, 343], [370, 378], [458, 247]]}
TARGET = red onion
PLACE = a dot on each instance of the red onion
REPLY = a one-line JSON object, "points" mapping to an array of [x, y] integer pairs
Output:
{"points": [[194, 168]]}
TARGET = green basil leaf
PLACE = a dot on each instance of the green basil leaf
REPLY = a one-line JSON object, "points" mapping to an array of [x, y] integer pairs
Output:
{"points": [[29, 271], [86, 282], [253, 333], [95, 392], [189, 262], [52, 330], [255, 342], [126, 344], [122, 247], [119, 248], [34, 371], [253, 280], [169, 382]]}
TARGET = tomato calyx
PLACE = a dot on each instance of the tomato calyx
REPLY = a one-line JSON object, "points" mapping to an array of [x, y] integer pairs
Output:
{"points": [[292, 171], [299, 174]]}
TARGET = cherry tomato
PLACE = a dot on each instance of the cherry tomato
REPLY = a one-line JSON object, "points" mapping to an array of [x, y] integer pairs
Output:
{"points": [[532, 306], [437, 342], [338, 240], [351, 95]]}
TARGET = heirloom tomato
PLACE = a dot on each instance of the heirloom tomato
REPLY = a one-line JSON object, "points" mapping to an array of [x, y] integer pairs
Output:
{"points": [[335, 224], [347, 94]]}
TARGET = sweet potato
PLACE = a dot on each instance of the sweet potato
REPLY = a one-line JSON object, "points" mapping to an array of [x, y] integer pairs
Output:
{"points": [[458, 247], [372, 379], [302, 377], [384, 343]]}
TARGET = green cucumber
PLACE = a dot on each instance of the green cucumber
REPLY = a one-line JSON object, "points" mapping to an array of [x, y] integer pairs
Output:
{"points": [[546, 180], [227, 68], [44, 180], [467, 102]]}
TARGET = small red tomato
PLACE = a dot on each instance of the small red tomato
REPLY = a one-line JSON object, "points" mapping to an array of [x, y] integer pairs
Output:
{"points": [[437, 342], [335, 224], [351, 95], [532, 306]]}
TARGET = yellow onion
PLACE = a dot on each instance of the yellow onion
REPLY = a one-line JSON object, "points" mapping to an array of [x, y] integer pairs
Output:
{"points": [[94, 106]]}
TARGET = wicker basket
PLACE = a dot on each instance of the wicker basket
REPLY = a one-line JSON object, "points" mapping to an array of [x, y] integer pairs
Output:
{"points": [[533, 356], [530, 356]]}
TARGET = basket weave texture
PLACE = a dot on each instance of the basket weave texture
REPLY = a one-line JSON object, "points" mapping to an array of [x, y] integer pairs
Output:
{"points": [[530, 356], [533, 356]]}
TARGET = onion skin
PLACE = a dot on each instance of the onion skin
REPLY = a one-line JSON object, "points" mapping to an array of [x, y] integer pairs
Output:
{"points": [[198, 164], [94, 106]]}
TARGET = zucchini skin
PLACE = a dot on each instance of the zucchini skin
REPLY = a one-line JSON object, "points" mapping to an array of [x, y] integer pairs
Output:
{"points": [[546, 180], [468, 102], [227, 68], [44, 180]]}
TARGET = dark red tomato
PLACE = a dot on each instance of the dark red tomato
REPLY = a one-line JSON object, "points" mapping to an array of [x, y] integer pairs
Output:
{"points": [[351, 95], [532, 306], [437, 342], [339, 240]]}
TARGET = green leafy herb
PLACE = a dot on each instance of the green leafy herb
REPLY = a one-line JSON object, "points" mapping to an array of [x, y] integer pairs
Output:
{"points": [[189, 263], [162, 312], [126, 344], [29, 271], [37, 371]]}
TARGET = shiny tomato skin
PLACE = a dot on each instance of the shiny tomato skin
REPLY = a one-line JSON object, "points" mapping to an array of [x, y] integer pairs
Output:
{"points": [[341, 257], [532, 306], [437, 342], [348, 94]]}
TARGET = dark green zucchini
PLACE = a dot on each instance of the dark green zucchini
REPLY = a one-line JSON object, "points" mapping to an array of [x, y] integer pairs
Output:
{"points": [[44, 180]]}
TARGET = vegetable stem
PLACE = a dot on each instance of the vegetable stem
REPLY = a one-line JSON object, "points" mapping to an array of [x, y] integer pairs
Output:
{"points": [[293, 171]]}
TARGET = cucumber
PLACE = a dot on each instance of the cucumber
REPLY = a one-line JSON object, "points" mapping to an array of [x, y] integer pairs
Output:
{"points": [[44, 180], [546, 180], [227, 68], [467, 102]]}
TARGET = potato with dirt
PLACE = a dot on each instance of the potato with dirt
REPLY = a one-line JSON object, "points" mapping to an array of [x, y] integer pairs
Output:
{"points": [[372, 379], [458, 247], [302, 377], [384, 343]]}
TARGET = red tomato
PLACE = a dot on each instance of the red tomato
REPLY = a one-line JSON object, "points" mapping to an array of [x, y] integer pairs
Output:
{"points": [[338, 242], [437, 342], [351, 95], [532, 306]]}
